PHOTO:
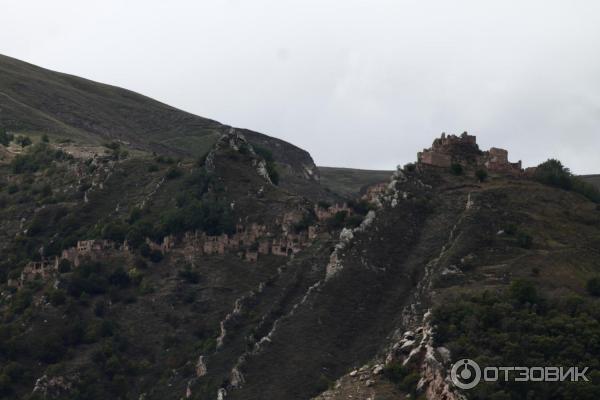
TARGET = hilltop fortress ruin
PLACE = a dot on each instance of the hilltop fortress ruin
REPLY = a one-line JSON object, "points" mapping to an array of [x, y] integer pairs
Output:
{"points": [[452, 149]]}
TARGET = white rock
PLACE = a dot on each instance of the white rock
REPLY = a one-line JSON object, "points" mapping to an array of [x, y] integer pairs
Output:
{"points": [[407, 345], [378, 369], [409, 335]]}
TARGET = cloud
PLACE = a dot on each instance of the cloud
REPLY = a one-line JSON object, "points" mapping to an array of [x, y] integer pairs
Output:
{"points": [[356, 83]]}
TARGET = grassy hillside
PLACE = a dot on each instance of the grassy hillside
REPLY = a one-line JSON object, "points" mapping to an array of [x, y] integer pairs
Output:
{"points": [[348, 182], [37, 100], [593, 179]]}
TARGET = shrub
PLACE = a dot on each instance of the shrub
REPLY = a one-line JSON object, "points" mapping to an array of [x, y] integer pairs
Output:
{"points": [[353, 221], [57, 297], [410, 167], [156, 256], [593, 287], [145, 250], [360, 207], [270, 161], [115, 231], [337, 221], [189, 276], [112, 145], [88, 279], [173, 173], [403, 377], [456, 169], [307, 220], [5, 138], [524, 240], [481, 174], [323, 204], [510, 229], [119, 278], [38, 157], [523, 291], [23, 141], [553, 173], [100, 308], [152, 168]]}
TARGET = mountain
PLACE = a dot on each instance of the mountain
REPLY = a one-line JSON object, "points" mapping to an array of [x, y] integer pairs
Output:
{"points": [[593, 179], [131, 270], [37, 100]]}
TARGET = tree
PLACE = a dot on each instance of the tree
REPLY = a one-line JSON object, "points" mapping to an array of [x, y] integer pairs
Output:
{"points": [[523, 291], [173, 173], [23, 141], [5, 138], [456, 169], [593, 287], [270, 161], [119, 278], [481, 174], [524, 240]]}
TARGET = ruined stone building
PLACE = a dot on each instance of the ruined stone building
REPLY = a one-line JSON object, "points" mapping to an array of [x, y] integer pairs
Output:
{"points": [[463, 150], [374, 191], [326, 213], [44, 270], [249, 242]]}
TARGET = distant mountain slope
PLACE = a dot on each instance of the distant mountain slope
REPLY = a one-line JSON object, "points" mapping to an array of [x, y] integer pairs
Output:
{"points": [[348, 182], [593, 179], [39, 100]]}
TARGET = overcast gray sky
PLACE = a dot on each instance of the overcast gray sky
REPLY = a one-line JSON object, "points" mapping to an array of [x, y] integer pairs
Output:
{"points": [[361, 84]]}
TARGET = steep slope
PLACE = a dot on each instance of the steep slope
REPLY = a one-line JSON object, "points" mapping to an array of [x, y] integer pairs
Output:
{"points": [[36, 100]]}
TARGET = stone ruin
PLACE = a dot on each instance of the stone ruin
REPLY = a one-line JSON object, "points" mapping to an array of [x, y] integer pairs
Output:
{"points": [[248, 241], [463, 150], [48, 268], [373, 192], [326, 213], [43, 269]]}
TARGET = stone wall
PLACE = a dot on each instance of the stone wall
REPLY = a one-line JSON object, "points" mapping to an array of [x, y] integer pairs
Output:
{"points": [[464, 150]]}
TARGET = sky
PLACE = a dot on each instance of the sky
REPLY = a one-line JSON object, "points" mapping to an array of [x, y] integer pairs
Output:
{"points": [[362, 84]]}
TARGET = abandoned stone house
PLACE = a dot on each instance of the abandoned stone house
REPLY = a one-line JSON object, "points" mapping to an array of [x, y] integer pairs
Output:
{"points": [[279, 247], [44, 269], [192, 243], [497, 160], [326, 213], [374, 191], [264, 246], [251, 256], [87, 246], [215, 244], [313, 230], [464, 150]]}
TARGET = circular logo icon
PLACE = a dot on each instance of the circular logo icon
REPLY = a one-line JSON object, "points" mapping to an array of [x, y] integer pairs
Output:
{"points": [[465, 374]]}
